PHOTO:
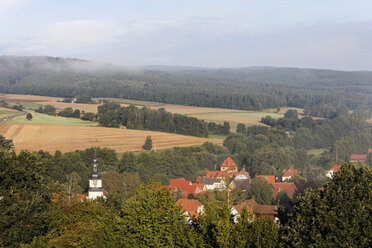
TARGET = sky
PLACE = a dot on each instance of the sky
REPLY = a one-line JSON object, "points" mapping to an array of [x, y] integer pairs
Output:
{"points": [[328, 34]]}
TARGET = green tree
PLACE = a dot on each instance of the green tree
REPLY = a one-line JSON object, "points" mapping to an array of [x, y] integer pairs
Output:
{"points": [[148, 143], [5, 143], [24, 199], [241, 128], [29, 116], [261, 191], [339, 216], [264, 233], [151, 219]]}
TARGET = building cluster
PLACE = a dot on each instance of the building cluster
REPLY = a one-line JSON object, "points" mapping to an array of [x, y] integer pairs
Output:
{"points": [[227, 178]]}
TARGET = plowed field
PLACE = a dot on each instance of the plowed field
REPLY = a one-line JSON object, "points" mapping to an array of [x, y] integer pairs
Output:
{"points": [[70, 138]]}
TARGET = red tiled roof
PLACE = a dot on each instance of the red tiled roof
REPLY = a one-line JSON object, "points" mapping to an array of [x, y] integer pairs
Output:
{"points": [[229, 163], [216, 174], [179, 183], [257, 209], [336, 167], [289, 188], [370, 150], [185, 186], [269, 179], [358, 156], [198, 179], [290, 172], [190, 206]]}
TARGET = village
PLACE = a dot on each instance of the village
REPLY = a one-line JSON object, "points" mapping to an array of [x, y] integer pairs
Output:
{"points": [[225, 179]]}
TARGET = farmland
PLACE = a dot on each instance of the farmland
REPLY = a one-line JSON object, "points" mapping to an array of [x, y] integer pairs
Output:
{"points": [[68, 138], [218, 115]]}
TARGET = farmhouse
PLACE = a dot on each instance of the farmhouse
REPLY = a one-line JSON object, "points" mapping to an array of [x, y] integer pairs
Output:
{"points": [[186, 187], [288, 188], [332, 171], [213, 183], [358, 158], [193, 208], [289, 173], [258, 210], [268, 178]]}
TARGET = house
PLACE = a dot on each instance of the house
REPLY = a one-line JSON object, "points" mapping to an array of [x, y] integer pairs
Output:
{"points": [[229, 165], [358, 158], [244, 185], [213, 183], [268, 178], [334, 169], [217, 174], [242, 175], [289, 173], [369, 150], [289, 188], [186, 187], [192, 208], [258, 210]]}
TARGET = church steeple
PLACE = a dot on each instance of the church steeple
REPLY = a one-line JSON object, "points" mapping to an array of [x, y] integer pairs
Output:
{"points": [[95, 181]]}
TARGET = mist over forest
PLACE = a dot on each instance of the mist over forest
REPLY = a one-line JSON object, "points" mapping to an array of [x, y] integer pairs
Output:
{"points": [[251, 88]]}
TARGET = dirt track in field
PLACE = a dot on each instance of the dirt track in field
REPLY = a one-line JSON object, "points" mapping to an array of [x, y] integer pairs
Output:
{"points": [[70, 138]]}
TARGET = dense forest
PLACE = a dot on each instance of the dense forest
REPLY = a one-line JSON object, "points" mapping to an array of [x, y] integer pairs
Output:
{"points": [[237, 88]]}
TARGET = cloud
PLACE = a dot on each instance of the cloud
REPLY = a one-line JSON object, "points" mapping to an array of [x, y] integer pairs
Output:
{"points": [[7, 5], [202, 41]]}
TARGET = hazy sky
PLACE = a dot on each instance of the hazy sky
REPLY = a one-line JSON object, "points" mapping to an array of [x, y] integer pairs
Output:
{"points": [[335, 34]]}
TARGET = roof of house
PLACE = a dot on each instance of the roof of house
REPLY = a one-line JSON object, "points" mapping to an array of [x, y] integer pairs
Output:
{"points": [[358, 156], [228, 163], [290, 172], [370, 150], [336, 167], [215, 174], [289, 188], [242, 184], [270, 179], [256, 208], [210, 181], [179, 183], [187, 187], [190, 206]]}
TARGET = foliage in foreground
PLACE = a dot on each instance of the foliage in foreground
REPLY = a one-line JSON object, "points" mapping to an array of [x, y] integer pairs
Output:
{"points": [[338, 216]]}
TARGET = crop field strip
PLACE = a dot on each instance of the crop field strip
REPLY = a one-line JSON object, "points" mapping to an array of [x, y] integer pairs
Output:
{"points": [[70, 138]]}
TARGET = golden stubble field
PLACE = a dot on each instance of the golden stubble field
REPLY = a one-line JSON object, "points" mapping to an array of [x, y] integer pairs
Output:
{"points": [[70, 138]]}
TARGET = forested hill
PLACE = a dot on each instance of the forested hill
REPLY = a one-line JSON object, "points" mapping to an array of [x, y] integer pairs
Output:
{"points": [[237, 88]]}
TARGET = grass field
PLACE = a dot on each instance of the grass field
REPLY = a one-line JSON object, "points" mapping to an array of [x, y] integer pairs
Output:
{"points": [[316, 152], [68, 138], [6, 112], [43, 119]]}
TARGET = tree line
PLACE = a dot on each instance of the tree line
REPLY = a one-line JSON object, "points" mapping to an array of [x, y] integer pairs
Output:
{"points": [[111, 114]]}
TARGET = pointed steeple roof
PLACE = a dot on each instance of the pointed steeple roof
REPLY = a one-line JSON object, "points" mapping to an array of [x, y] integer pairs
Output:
{"points": [[229, 163]]}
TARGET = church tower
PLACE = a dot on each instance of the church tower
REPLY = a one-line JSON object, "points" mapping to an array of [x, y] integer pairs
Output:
{"points": [[95, 181]]}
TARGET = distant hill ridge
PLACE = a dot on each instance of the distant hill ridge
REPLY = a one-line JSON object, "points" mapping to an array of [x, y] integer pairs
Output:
{"points": [[238, 88]]}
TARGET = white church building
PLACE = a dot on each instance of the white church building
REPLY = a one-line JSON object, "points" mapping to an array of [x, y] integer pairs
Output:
{"points": [[95, 182]]}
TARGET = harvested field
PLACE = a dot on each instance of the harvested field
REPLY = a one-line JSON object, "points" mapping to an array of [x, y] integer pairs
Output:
{"points": [[218, 115], [70, 138]]}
